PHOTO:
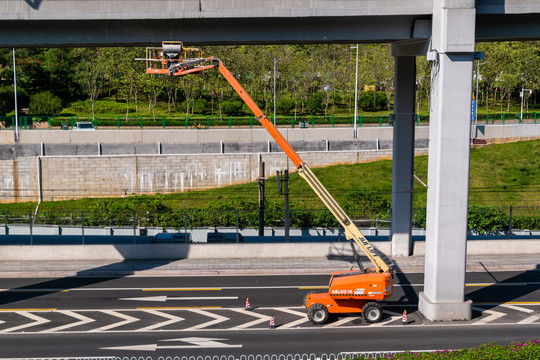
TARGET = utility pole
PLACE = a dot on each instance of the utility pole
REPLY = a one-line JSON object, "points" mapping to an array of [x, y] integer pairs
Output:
{"points": [[261, 181]]}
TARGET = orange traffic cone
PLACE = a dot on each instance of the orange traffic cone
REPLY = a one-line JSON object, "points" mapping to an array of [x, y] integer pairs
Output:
{"points": [[272, 321], [404, 317], [248, 305]]}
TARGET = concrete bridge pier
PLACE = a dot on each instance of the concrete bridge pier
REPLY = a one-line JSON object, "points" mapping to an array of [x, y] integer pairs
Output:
{"points": [[451, 53], [403, 151]]}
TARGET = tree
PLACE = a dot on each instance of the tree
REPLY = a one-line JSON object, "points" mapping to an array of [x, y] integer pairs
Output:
{"points": [[91, 73]]}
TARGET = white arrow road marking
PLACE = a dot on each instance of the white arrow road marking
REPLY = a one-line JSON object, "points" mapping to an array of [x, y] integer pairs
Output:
{"points": [[196, 343], [518, 308], [172, 320], [260, 318], [82, 320], [494, 315], [296, 322], [217, 319], [37, 321], [530, 319], [166, 298], [127, 320]]}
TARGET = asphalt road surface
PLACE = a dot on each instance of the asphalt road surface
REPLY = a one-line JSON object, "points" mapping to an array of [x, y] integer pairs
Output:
{"points": [[206, 315]]}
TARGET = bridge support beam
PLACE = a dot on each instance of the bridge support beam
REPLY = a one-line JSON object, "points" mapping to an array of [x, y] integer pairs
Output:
{"points": [[443, 297], [403, 154]]}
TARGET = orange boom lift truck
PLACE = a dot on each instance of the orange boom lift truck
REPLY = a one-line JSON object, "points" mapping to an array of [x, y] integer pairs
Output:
{"points": [[355, 291]]}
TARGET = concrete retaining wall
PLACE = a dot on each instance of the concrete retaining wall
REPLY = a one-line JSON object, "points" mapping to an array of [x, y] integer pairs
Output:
{"points": [[236, 251], [71, 177]]}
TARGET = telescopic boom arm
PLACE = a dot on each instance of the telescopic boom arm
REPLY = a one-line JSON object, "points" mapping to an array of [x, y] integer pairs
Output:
{"points": [[351, 231]]}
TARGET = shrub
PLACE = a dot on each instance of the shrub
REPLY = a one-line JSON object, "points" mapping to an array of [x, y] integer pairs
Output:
{"points": [[486, 219], [201, 106], [44, 103], [367, 99], [314, 104], [7, 100], [285, 105], [231, 107]]}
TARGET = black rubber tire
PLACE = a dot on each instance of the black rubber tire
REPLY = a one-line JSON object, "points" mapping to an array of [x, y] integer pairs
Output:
{"points": [[318, 314], [372, 312], [305, 297]]}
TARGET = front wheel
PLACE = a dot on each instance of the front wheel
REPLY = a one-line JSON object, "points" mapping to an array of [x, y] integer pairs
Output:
{"points": [[318, 314], [372, 312]]}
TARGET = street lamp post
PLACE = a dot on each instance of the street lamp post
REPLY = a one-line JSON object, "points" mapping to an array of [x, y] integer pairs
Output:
{"points": [[275, 62], [355, 129], [522, 95]]}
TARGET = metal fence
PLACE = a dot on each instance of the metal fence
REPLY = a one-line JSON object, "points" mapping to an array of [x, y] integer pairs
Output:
{"points": [[340, 356], [208, 122], [481, 219]]}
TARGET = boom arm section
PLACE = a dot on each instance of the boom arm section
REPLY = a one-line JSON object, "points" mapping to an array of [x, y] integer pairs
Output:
{"points": [[351, 231]]}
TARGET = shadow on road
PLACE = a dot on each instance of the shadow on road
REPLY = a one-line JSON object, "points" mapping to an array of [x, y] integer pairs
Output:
{"points": [[514, 289]]}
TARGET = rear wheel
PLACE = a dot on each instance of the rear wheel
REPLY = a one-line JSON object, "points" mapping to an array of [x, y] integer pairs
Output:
{"points": [[372, 312], [318, 314]]}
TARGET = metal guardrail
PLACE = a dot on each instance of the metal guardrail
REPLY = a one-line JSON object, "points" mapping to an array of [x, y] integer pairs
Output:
{"points": [[207, 122]]}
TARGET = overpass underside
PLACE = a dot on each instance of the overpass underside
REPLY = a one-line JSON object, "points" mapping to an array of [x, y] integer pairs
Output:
{"points": [[446, 30]]}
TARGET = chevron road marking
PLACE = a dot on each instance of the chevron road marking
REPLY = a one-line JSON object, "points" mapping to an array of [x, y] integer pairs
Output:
{"points": [[217, 319], [530, 319], [127, 320], [172, 319], [518, 308], [387, 320], [37, 321], [493, 315], [342, 321], [260, 318], [82, 320], [303, 318]]}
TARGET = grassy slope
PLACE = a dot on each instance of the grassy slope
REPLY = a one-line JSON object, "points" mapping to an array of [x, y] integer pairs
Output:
{"points": [[501, 175]]}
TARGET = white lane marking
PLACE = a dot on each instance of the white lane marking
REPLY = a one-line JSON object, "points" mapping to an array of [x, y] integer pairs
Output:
{"points": [[493, 315], [303, 318], [260, 318], [172, 319], [530, 319], [518, 308], [82, 320], [217, 319], [165, 298], [127, 320], [37, 320]]}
